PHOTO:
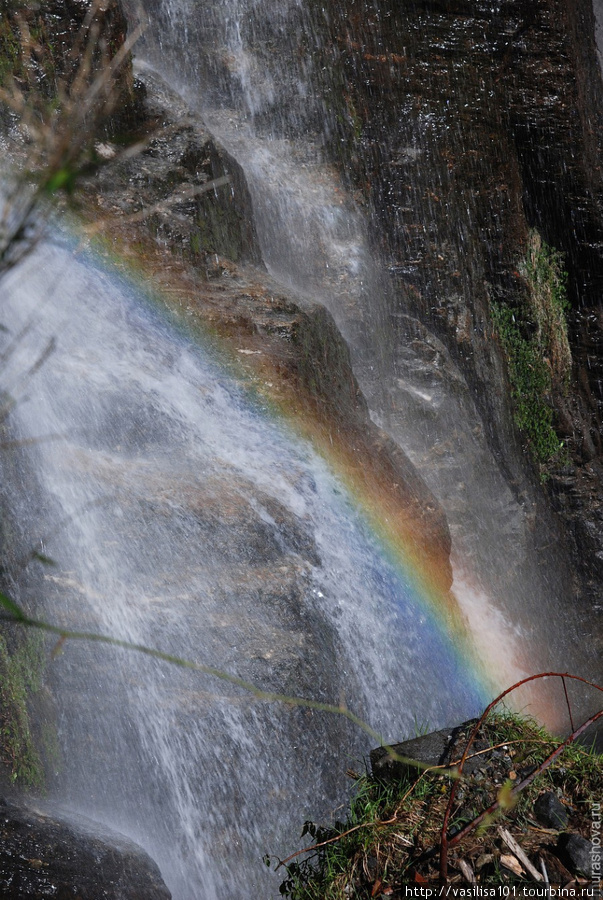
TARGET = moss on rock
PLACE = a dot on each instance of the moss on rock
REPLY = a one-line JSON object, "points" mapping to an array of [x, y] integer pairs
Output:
{"points": [[21, 672], [534, 339]]}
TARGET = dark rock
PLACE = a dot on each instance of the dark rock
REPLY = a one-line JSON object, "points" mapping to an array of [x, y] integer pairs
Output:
{"points": [[42, 856], [52, 68], [459, 155], [576, 853], [181, 154], [550, 812], [430, 749], [439, 748]]}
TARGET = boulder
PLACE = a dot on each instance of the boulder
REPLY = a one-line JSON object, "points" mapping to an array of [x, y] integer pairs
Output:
{"points": [[44, 856], [438, 748], [577, 853]]}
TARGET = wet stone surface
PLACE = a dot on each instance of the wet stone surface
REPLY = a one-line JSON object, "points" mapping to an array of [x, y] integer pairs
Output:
{"points": [[43, 856], [465, 125]]}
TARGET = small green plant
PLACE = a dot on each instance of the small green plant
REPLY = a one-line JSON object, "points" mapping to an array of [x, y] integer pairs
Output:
{"points": [[535, 342], [547, 281], [531, 384], [421, 726]]}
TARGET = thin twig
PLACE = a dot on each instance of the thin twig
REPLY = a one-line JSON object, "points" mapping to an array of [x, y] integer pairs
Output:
{"points": [[451, 842], [179, 196], [16, 615], [519, 853], [569, 706], [444, 841], [545, 877]]}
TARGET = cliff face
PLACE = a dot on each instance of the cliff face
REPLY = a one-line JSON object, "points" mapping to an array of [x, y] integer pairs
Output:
{"points": [[470, 131], [213, 269], [466, 126], [470, 128]]}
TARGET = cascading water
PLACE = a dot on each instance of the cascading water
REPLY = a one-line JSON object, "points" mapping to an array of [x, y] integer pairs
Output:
{"points": [[248, 67], [179, 516]]}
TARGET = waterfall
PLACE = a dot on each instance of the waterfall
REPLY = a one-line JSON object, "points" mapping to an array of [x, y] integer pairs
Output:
{"points": [[249, 69], [181, 516]]}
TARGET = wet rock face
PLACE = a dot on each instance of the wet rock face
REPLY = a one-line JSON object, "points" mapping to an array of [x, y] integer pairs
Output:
{"points": [[181, 156], [37, 43], [473, 124], [42, 856], [296, 339], [465, 125]]}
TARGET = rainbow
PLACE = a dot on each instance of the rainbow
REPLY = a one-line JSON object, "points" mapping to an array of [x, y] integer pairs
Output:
{"points": [[484, 647]]}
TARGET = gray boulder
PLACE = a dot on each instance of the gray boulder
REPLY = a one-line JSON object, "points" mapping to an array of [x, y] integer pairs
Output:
{"points": [[577, 853], [439, 748], [42, 856]]}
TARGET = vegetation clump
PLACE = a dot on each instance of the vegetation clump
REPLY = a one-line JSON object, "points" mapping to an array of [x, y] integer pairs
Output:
{"points": [[392, 833], [535, 342], [21, 670]]}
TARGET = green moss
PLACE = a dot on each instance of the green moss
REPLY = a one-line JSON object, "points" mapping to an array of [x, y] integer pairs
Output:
{"points": [[21, 669], [27, 53], [535, 342], [547, 282], [10, 51], [530, 385]]}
